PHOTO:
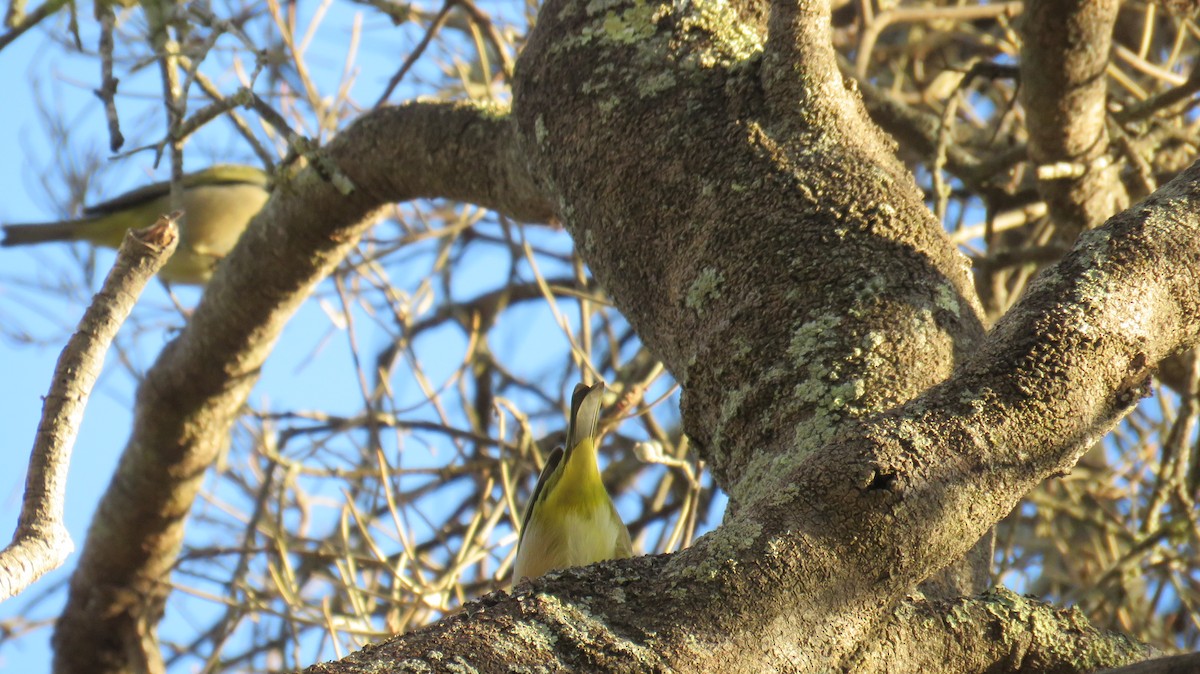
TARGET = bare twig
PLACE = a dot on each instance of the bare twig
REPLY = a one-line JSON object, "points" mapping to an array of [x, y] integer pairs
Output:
{"points": [[438, 22], [41, 542], [19, 22]]}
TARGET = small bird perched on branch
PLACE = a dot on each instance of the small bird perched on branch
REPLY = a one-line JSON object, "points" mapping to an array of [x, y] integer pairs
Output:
{"points": [[570, 519], [218, 204]]}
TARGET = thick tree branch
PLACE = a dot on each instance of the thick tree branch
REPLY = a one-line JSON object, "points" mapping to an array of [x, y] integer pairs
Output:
{"points": [[768, 247], [189, 399], [804, 572], [995, 632], [764, 210], [804, 88], [1063, 88]]}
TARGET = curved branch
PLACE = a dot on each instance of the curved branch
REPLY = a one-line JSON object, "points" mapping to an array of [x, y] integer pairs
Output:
{"points": [[805, 571], [767, 257], [190, 398]]}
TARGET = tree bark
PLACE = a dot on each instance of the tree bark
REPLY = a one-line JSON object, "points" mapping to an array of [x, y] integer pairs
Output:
{"points": [[1064, 87]]}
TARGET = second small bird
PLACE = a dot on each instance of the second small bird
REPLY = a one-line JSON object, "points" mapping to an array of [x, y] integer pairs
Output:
{"points": [[570, 519], [218, 204]]}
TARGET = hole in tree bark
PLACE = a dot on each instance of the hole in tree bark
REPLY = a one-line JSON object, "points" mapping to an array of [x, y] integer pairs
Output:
{"points": [[882, 481]]}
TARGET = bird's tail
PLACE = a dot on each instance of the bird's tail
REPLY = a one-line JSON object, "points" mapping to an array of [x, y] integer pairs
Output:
{"points": [[20, 235]]}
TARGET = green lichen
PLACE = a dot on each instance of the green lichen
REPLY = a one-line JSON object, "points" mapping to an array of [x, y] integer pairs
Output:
{"points": [[707, 286], [817, 430], [915, 435], [734, 43], [869, 353], [826, 388], [634, 24], [459, 665], [730, 406], [539, 130], [725, 546], [527, 636], [600, 7], [760, 483], [812, 338], [947, 298], [654, 84], [609, 104], [811, 390], [846, 392]]}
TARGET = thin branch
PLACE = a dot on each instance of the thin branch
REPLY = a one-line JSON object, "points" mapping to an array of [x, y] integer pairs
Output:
{"points": [[41, 542], [19, 22], [108, 84], [438, 22]]}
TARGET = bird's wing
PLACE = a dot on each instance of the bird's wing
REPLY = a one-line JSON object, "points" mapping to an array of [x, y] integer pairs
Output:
{"points": [[136, 197], [221, 174], [623, 547], [552, 462]]}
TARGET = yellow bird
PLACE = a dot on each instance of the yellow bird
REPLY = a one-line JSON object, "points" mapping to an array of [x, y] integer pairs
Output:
{"points": [[218, 204], [570, 519]]}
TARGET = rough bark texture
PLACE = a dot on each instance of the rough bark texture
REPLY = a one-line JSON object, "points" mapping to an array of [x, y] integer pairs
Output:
{"points": [[41, 542], [997, 631], [1063, 87], [797, 200]]}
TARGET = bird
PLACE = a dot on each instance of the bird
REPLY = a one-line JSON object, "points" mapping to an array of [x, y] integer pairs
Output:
{"points": [[218, 204], [570, 519]]}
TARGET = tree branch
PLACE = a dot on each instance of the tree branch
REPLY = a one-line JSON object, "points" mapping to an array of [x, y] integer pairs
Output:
{"points": [[801, 574], [189, 399], [998, 631], [41, 542], [1063, 87], [766, 277]]}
